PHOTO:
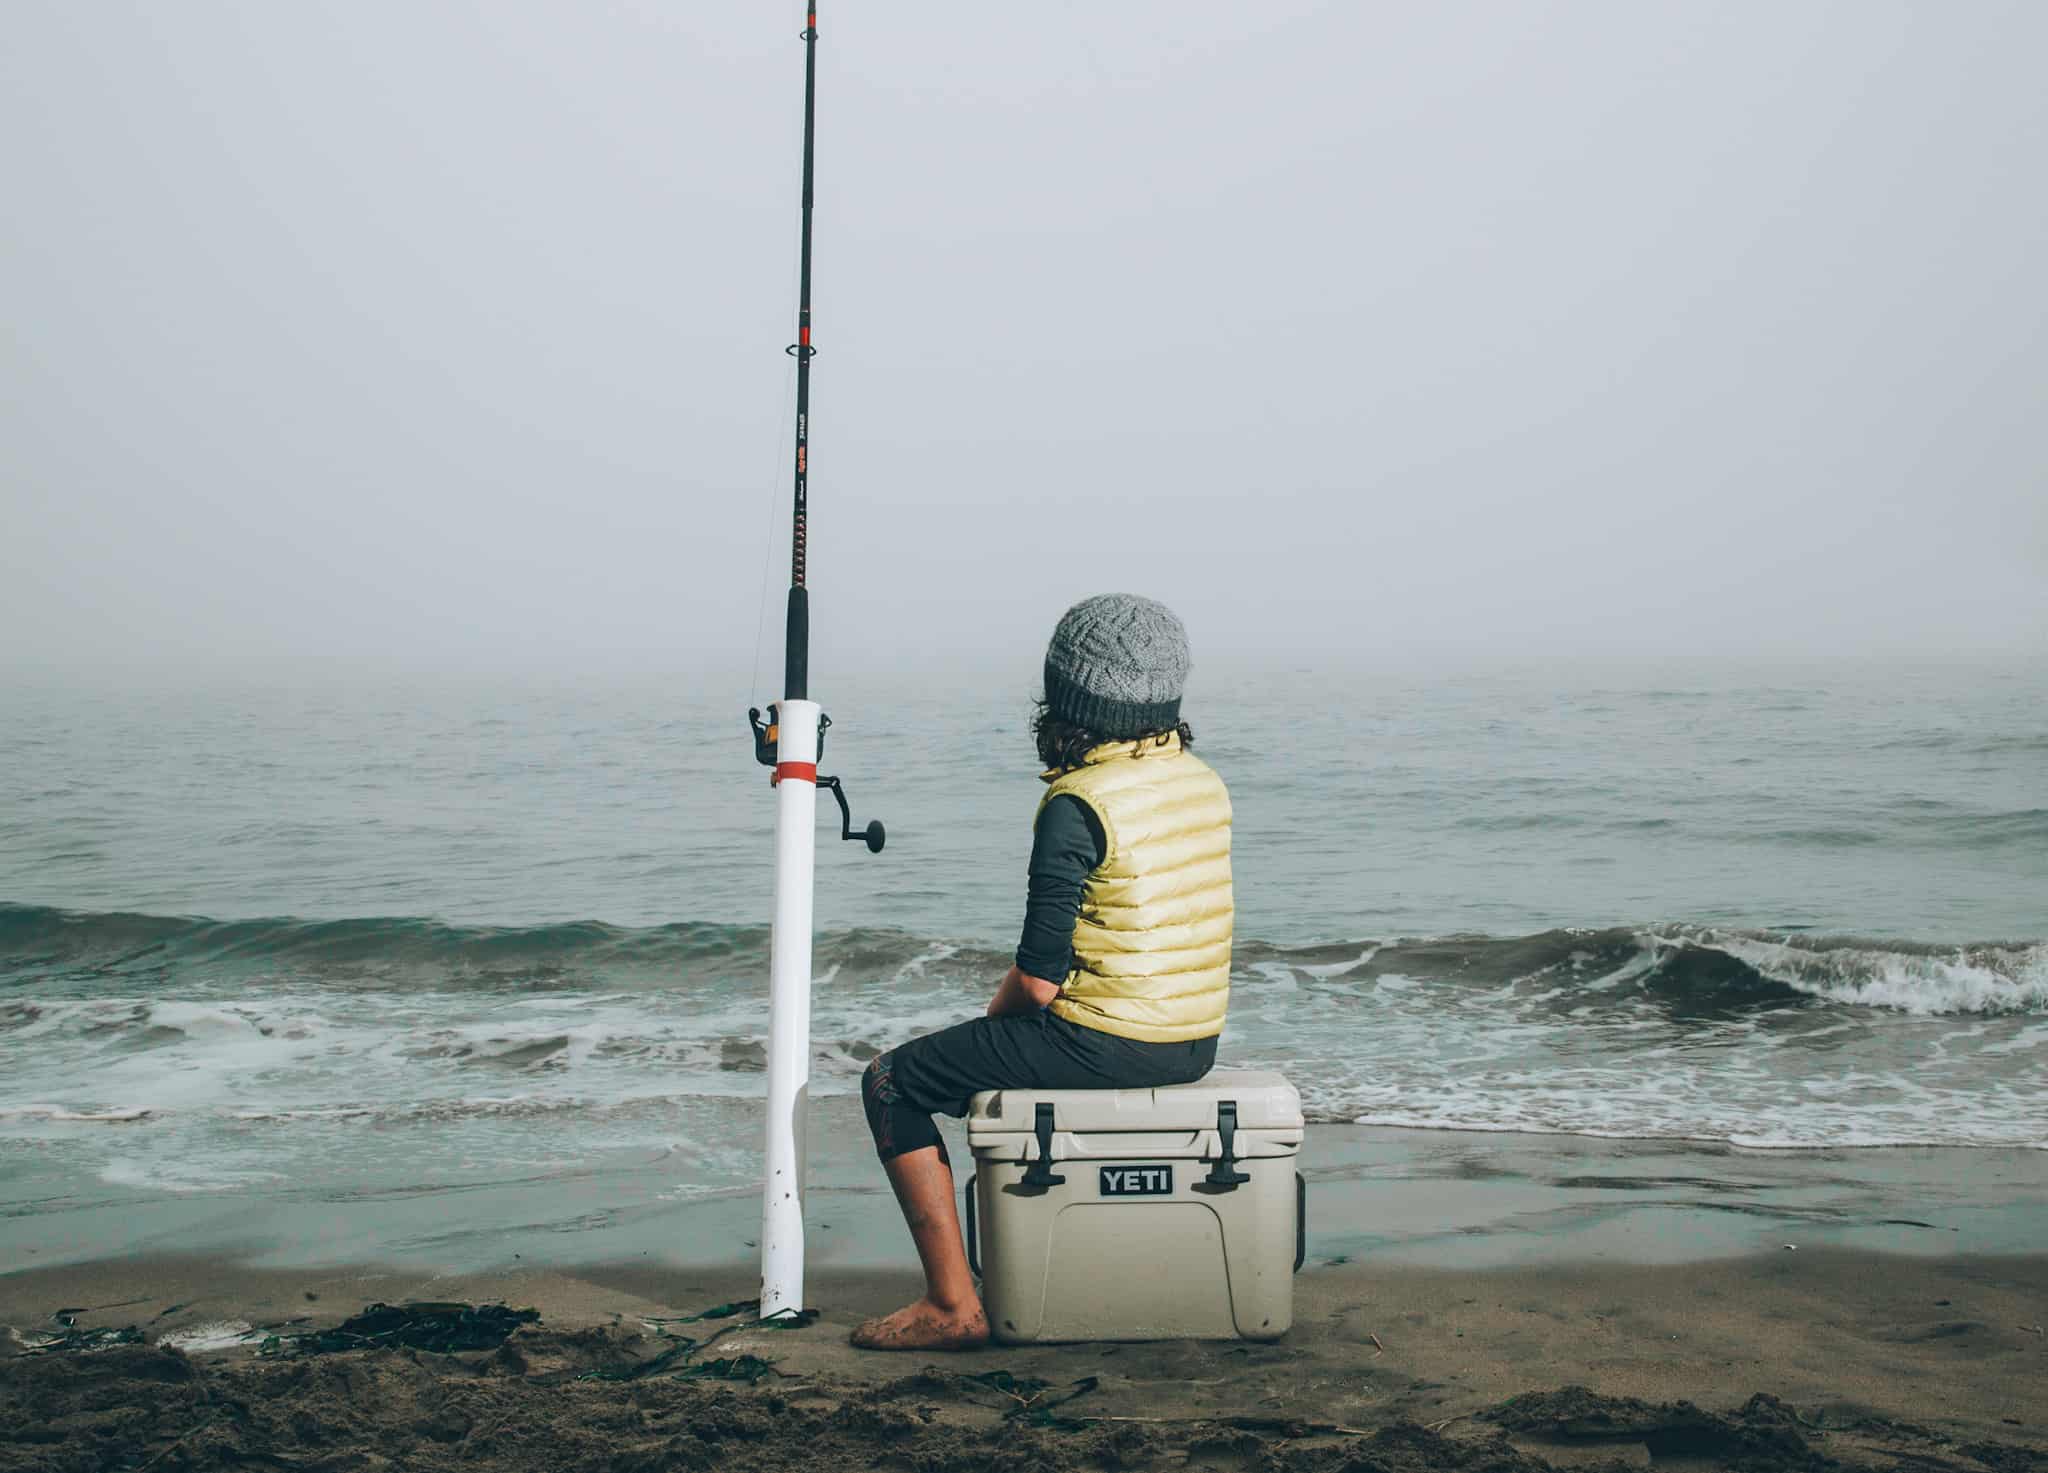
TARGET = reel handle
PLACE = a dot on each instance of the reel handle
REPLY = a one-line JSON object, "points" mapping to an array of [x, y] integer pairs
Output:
{"points": [[874, 835]]}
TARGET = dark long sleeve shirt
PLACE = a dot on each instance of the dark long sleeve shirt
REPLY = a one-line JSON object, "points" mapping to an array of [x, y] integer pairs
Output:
{"points": [[1066, 845]]}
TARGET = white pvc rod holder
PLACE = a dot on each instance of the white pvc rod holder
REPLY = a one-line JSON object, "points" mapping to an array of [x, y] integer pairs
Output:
{"points": [[789, 1010]]}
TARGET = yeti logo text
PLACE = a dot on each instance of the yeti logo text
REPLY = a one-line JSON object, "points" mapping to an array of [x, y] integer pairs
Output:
{"points": [[1137, 1181]]}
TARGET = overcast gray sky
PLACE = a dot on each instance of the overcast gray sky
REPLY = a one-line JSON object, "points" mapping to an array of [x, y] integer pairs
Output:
{"points": [[454, 330]]}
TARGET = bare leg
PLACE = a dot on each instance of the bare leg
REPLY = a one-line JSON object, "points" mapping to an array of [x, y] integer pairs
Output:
{"points": [[949, 1317]]}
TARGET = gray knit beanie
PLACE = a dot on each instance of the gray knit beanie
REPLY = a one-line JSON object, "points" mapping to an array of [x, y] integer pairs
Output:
{"points": [[1116, 666]]}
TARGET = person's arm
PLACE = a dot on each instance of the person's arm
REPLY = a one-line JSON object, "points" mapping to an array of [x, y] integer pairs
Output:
{"points": [[1066, 845], [1020, 993]]}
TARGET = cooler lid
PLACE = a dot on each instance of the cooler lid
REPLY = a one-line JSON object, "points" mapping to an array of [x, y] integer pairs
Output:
{"points": [[1264, 1100]]}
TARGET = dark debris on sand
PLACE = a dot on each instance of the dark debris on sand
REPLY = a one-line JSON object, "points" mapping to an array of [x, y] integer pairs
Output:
{"points": [[1765, 1433], [441, 1327], [531, 1405]]}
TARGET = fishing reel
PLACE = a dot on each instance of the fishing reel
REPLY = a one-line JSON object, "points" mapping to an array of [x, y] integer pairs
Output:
{"points": [[767, 734]]}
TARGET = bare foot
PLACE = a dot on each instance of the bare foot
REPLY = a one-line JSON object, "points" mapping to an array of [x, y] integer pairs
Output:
{"points": [[925, 1326]]}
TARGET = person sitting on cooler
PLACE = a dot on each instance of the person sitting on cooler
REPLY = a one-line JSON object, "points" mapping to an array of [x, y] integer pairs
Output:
{"points": [[1123, 973]]}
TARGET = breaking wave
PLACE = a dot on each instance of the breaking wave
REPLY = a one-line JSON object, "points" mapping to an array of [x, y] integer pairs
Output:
{"points": [[1705, 969]]}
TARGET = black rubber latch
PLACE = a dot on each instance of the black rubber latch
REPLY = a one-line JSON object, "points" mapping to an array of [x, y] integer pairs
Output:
{"points": [[1040, 1173], [1224, 1175], [973, 1234], [1300, 1221]]}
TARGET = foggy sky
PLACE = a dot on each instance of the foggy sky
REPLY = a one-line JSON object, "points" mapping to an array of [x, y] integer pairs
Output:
{"points": [[454, 331]]}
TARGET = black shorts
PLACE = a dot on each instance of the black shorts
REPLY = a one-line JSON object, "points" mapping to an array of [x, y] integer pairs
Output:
{"points": [[942, 1071]]}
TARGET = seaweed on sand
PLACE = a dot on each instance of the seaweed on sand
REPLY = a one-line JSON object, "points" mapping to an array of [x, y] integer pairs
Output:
{"points": [[746, 1368], [440, 1327], [69, 1339], [680, 1359], [1033, 1400]]}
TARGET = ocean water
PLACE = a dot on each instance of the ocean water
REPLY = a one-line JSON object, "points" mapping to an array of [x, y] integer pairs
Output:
{"points": [[405, 936]]}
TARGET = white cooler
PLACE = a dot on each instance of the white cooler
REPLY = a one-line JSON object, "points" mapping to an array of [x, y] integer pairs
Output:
{"points": [[1138, 1214]]}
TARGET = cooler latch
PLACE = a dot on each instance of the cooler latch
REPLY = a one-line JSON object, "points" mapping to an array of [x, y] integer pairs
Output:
{"points": [[1224, 1175], [1040, 1173]]}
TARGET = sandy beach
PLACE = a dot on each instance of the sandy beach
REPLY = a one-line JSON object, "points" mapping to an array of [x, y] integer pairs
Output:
{"points": [[1786, 1360], [1457, 1289]]}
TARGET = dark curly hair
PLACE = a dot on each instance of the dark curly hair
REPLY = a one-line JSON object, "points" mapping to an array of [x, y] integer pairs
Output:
{"points": [[1062, 745]]}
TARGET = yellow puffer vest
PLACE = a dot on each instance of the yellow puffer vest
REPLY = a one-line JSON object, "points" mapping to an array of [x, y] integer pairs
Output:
{"points": [[1152, 942]]}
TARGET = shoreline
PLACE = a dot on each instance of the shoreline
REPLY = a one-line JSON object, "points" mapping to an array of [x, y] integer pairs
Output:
{"points": [[1426, 1198], [1876, 1358]]}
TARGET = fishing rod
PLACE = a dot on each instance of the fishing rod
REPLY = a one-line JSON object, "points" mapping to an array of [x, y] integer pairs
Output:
{"points": [[791, 740]]}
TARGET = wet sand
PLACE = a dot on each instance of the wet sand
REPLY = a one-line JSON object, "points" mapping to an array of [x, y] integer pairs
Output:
{"points": [[1428, 1198], [1870, 1359]]}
